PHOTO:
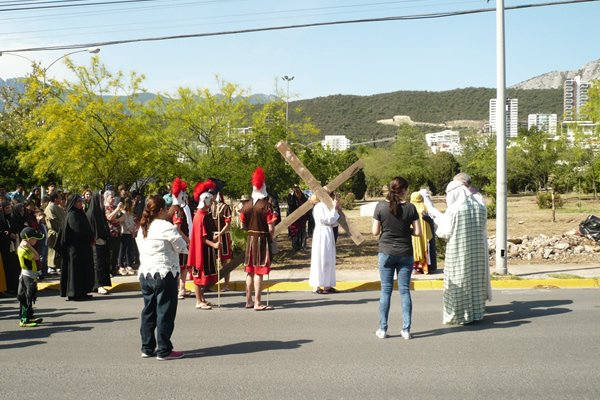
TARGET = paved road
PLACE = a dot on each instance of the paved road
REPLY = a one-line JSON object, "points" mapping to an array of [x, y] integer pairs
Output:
{"points": [[534, 344]]}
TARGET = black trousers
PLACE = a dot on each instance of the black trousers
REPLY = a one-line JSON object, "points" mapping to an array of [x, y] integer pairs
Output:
{"points": [[26, 295], [114, 244]]}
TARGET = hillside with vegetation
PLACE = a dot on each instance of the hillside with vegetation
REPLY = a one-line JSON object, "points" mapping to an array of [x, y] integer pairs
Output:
{"points": [[357, 116]]}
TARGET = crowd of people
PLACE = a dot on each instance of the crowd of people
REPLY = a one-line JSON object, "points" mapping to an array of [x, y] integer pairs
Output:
{"points": [[165, 240]]}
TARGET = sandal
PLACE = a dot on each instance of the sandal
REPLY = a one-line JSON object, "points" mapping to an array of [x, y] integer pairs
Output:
{"points": [[319, 291], [331, 290], [263, 308], [251, 305], [180, 296], [203, 306]]}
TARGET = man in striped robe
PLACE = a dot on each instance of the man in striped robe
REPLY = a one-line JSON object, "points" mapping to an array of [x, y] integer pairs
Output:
{"points": [[466, 271]]}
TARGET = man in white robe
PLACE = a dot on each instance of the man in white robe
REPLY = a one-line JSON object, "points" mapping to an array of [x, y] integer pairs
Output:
{"points": [[322, 259], [466, 271]]}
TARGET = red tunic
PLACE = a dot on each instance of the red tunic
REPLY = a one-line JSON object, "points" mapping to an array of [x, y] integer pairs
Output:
{"points": [[202, 257], [256, 220]]}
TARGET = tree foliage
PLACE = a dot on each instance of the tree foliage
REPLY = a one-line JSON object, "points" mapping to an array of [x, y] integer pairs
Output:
{"points": [[82, 131], [101, 128]]}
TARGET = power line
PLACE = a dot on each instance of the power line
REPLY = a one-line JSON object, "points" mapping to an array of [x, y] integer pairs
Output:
{"points": [[84, 30], [297, 26], [137, 9], [52, 6]]}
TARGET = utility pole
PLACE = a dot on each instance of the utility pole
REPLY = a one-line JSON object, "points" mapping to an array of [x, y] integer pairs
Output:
{"points": [[501, 204], [288, 79]]}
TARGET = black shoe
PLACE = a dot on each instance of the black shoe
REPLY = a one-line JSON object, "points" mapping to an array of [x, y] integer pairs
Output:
{"points": [[85, 297]]}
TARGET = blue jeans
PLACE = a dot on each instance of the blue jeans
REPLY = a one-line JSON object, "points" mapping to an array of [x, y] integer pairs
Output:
{"points": [[403, 266], [160, 308]]}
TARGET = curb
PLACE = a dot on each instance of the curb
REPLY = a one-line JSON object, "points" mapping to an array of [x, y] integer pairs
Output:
{"points": [[434, 284]]}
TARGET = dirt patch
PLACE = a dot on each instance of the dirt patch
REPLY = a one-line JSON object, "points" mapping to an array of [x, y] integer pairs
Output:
{"points": [[525, 218]]}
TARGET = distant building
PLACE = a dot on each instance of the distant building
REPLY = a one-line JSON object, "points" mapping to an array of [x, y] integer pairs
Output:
{"points": [[447, 140], [575, 96], [586, 128], [512, 117], [336, 142], [544, 122]]}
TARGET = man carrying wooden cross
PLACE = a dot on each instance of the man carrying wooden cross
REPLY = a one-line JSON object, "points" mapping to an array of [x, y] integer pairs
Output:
{"points": [[306, 207], [258, 219]]}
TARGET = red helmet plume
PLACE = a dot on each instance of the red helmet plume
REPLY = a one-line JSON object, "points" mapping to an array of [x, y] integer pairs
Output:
{"points": [[178, 186], [258, 178], [202, 187]]}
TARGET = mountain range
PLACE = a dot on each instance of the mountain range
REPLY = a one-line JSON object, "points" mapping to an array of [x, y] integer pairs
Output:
{"points": [[554, 80], [357, 116]]}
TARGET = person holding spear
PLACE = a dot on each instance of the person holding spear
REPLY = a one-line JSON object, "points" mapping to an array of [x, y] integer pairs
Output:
{"points": [[258, 219], [202, 255]]}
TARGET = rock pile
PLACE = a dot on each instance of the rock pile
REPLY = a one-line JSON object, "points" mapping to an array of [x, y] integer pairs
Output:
{"points": [[559, 247]]}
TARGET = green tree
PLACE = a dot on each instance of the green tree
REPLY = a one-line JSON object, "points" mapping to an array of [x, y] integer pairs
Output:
{"points": [[201, 134], [443, 168], [479, 160], [532, 159], [410, 156], [377, 169], [13, 120], [83, 131]]}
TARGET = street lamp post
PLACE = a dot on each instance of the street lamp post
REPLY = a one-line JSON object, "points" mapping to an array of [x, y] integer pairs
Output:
{"points": [[501, 204], [288, 79], [94, 50]]}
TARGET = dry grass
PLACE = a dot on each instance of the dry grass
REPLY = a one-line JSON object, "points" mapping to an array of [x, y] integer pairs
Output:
{"points": [[524, 218]]}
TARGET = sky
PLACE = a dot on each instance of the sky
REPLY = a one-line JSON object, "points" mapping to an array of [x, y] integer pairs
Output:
{"points": [[357, 59]]}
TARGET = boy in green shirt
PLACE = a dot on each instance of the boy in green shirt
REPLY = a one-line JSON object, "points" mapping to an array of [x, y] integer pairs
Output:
{"points": [[27, 291]]}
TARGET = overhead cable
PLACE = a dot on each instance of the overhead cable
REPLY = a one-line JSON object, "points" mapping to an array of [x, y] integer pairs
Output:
{"points": [[296, 26]]}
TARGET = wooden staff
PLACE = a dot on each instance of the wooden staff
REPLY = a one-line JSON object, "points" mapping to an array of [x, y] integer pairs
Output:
{"points": [[218, 257]]}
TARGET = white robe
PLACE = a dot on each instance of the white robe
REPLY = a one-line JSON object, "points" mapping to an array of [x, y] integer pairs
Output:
{"points": [[322, 259]]}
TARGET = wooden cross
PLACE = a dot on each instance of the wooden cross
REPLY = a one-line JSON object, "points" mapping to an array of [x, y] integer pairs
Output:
{"points": [[322, 194]]}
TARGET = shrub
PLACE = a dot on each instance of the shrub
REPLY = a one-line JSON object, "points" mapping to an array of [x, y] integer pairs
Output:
{"points": [[491, 210], [347, 201], [238, 239], [440, 248], [544, 200]]}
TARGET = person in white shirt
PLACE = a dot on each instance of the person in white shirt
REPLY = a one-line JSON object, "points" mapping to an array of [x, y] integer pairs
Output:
{"points": [[159, 244]]}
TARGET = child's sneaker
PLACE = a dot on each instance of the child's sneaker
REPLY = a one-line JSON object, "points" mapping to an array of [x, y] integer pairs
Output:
{"points": [[27, 324]]}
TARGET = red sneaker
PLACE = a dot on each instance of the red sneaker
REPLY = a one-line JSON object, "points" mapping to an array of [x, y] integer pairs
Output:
{"points": [[173, 355]]}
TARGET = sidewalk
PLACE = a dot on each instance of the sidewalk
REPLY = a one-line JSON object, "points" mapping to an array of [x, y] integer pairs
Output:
{"points": [[523, 276]]}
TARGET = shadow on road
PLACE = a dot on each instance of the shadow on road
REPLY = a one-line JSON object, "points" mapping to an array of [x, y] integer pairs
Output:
{"points": [[32, 335], [246, 348], [319, 301], [505, 316]]}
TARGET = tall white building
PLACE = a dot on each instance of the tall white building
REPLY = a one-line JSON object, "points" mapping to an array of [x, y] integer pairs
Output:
{"points": [[447, 140], [545, 122], [512, 117], [575, 96], [336, 142]]}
